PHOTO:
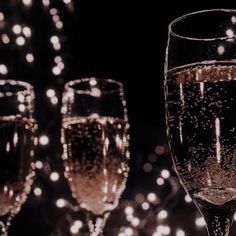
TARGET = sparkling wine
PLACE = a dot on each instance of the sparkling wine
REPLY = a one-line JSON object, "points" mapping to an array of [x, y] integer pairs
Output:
{"points": [[201, 116], [16, 169], [96, 158]]}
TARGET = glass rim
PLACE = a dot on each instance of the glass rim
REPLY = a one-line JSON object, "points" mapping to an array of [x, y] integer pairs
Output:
{"points": [[70, 85], [180, 18], [25, 87]]}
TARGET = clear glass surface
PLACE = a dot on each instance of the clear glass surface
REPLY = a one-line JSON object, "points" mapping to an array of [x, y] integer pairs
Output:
{"points": [[95, 143], [200, 90]]}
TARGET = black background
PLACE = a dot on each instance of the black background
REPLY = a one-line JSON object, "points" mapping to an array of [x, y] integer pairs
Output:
{"points": [[126, 40]]}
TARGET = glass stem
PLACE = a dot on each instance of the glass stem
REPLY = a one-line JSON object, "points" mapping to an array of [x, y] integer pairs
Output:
{"points": [[218, 220], [96, 224]]}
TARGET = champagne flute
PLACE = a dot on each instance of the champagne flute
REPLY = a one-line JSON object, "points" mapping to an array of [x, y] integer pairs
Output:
{"points": [[95, 143], [17, 128], [200, 92]]}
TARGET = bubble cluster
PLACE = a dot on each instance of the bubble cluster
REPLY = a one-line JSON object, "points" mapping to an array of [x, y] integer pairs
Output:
{"points": [[95, 150]]}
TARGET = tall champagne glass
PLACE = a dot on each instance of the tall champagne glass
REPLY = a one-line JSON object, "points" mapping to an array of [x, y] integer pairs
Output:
{"points": [[200, 92], [95, 143], [17, 128]]}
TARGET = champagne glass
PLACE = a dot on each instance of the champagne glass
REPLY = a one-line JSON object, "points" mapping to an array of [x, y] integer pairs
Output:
{"points": [[95, 143], [17, 128], [200, 92]]}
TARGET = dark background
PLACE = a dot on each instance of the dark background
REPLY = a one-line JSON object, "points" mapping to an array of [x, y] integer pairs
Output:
{"points": [[124, 40]]}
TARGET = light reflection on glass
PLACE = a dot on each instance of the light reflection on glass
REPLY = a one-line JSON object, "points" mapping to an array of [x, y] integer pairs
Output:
{"points": [[218, 146], [202, 89], [15, 138]]}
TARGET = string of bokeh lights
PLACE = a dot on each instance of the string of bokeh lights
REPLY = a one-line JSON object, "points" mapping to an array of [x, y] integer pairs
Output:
{"points": [[57, 71]]}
